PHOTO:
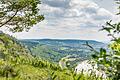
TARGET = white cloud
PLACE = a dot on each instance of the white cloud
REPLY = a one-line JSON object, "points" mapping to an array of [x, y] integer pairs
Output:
{"points": [[77, 19]]}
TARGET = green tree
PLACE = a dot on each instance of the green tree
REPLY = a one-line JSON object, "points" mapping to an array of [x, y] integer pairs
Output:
{"points": [[19, 15], [109, 60]]}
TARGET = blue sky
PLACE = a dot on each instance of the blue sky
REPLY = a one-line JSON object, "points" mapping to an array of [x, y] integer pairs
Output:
{"points": [[72, 19]]}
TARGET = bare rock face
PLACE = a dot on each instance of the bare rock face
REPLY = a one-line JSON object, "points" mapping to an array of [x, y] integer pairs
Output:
{"points": [[86, 68]]}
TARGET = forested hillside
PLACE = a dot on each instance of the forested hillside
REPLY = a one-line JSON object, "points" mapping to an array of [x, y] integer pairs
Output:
{"points": [[55, 49], [17, 63]]}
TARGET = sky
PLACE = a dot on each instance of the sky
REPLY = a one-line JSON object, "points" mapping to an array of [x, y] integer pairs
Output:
{"points": [[72, 19]]}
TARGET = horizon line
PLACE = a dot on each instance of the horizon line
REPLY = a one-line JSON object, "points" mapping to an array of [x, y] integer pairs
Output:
{"points": [[62, 39]]}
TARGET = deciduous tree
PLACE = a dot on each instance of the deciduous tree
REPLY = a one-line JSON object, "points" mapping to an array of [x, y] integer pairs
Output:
{"points": [[19, 15]]}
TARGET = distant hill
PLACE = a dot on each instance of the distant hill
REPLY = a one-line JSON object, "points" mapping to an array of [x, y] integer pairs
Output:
{"points": [[57, 41], [55, 49]]}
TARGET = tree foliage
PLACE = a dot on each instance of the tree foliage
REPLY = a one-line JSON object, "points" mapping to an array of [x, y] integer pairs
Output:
{"points": [[109, 60], [19, 15]]}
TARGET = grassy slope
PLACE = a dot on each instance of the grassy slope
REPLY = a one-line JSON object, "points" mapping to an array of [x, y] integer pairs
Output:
{"points": [[15, 62]]}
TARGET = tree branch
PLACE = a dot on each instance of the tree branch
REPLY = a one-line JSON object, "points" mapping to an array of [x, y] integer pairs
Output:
{"points": [[9, 19], [91, 48]]}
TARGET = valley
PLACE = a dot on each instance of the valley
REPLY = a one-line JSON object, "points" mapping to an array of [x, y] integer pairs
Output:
{"points": [[54, 50]]}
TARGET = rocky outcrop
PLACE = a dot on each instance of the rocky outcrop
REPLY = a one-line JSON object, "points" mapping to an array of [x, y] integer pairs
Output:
{"points": [[86, 68]]}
